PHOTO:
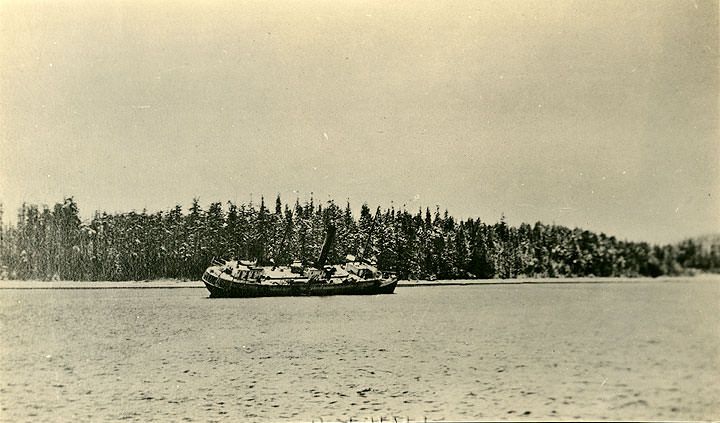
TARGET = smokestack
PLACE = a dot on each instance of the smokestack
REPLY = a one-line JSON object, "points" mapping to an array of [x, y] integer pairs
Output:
{"points": [[329, 238]]}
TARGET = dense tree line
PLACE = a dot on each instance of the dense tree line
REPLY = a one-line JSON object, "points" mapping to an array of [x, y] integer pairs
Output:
{"points": [[48, 243]]}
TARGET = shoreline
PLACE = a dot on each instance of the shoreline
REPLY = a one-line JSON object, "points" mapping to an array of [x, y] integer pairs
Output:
{"points": [[569, 280], [179, 284]]}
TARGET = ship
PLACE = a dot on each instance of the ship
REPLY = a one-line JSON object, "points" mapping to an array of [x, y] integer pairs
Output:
{"points": [[247, 279]]}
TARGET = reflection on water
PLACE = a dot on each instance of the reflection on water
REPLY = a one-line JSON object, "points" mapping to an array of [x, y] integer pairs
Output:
{"points": [[635, 351]]}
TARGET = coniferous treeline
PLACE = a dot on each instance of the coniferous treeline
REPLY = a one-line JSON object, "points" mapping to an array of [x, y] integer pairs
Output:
{"points": [[50, 243]]}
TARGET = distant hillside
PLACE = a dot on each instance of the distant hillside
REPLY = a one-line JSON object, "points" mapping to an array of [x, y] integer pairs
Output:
{"points": [[50, 243], [708, 242], [701, 252]]}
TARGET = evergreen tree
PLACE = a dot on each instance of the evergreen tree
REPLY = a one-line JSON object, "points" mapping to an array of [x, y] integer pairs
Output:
{"points": [[53, 242]]}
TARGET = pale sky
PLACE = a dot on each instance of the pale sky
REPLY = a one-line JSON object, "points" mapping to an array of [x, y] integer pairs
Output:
{"points": [[601, 115]]}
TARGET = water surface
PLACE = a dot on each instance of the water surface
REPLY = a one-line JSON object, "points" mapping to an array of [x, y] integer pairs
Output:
{"points": [[631, 351]]}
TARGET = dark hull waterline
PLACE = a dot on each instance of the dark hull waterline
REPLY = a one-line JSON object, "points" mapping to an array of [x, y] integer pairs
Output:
{"points": [[222, 288]]}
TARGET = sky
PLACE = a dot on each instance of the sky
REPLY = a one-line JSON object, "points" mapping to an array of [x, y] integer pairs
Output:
{"points": [[599, 115]]}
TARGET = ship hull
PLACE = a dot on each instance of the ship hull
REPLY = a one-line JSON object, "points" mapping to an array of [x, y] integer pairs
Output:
{"points": [[220, 287]]}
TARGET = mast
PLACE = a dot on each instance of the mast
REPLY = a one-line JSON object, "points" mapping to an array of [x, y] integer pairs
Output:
{"points": [[329, 238]]}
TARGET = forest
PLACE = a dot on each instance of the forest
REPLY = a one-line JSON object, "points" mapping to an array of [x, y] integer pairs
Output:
{"points": [[55, 243]]}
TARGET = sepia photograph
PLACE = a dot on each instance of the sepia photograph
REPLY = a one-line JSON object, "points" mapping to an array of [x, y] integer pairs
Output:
{"points": [[322, 211]]}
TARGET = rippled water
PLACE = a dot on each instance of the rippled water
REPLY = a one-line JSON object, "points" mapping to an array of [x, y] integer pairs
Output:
{"points": [[631, 351]]}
